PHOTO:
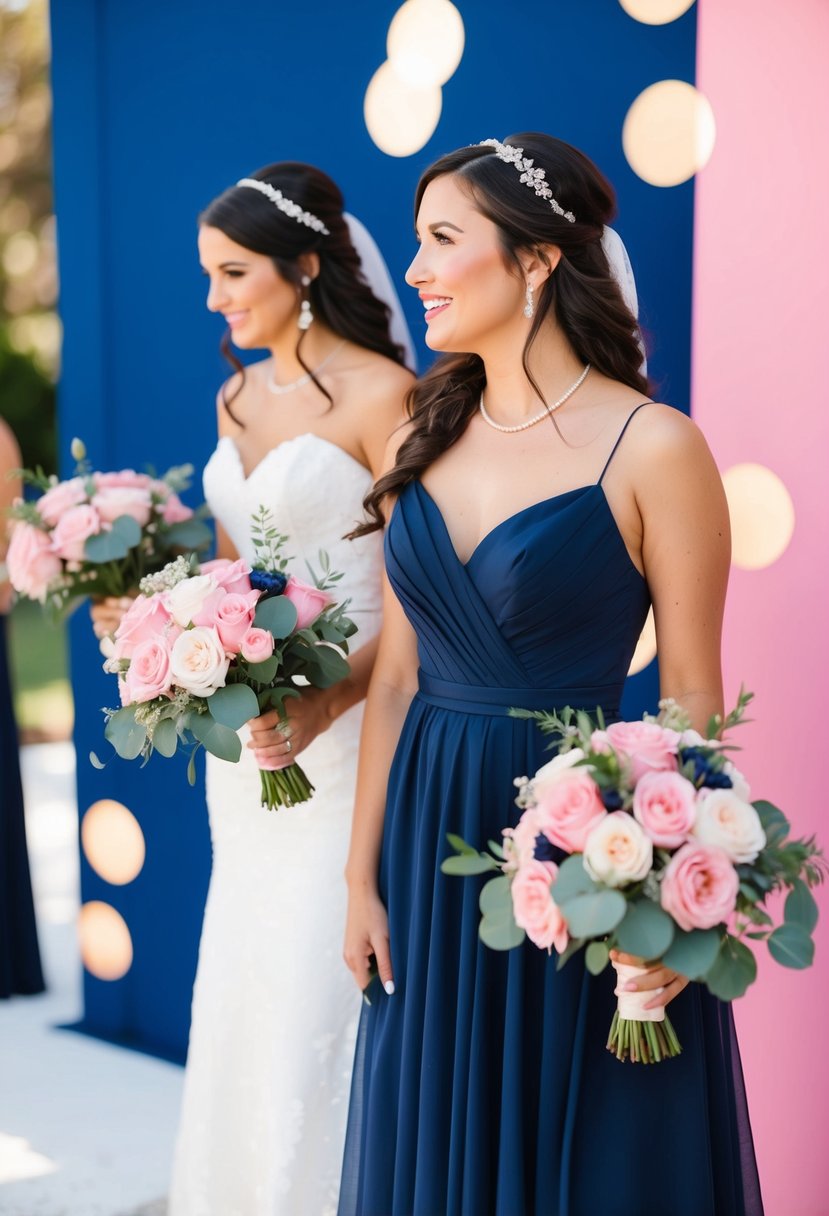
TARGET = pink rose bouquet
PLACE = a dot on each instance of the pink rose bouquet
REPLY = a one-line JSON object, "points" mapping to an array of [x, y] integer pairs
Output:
{"points": [[641, 837], [98, 534], [201, 652]]}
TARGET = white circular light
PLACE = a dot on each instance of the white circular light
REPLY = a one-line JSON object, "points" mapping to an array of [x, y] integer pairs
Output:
{"points": [[655, 12], [645, 651], [425, 42], [106, 945], [669, 133], [762, 515], [400, 118], [113, 841]]}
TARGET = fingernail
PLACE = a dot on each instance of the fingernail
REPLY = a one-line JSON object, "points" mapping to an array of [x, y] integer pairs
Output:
{"points": [[389, 987], [630, 986], [658, 991]]}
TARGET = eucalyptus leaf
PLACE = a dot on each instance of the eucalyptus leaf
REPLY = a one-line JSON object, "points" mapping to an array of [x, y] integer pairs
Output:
{"points": [[332, 664], [693, 954], [460, 845], [801, 908], [572, 879], [497, 849], [791, 946], [467, 863], [189, 534], [165, 737], [596, 957], [95, 762], [124, 535], [265, 671], [234, 705], [219, 740], [191, 765], [500, 933], [594, 914], [646, 930], [495, 897], [775, 824], [277, 615], [125, 736], [573, 946], [734, 969]]}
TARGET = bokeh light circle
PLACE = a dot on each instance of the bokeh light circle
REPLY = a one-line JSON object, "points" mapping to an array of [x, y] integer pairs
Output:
{"points": [[400, 118], [669, 133], [425, 42], [112, 841], [655, 12], [762, 515], [106, 945], [645, 651]]}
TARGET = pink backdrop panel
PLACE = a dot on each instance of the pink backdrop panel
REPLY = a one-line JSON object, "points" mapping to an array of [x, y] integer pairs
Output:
{"points": [[761, 394]]}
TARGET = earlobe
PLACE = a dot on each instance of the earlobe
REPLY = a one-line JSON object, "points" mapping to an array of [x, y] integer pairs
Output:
{"points": [[309, 264]]}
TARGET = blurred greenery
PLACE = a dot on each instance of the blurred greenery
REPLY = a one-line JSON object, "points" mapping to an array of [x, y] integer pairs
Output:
{"points": [[27, 402], [37, 657]]}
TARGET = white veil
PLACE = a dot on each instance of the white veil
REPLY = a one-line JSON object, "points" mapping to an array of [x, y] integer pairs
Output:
{"points": [[622, 271], [376, 274]]}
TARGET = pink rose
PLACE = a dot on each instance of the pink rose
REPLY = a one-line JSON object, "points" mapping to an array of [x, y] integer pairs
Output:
{"points": [[648, 747], [257, 645], [665, 805], [60, 498], [145, 620], [31, 560], [149, 675], [699, 887], [174, 511], [115, 501], [72, 531], [534, 908], [194, 601], [234, 618], [124, 479], [309, 601], [569, 808], [232, 576]]}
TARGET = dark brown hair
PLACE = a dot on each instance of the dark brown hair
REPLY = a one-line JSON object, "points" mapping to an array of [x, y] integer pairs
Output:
{"points": [[581, 293], [339, 295]]}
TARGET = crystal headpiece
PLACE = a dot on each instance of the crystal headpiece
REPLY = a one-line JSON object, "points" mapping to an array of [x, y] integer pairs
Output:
{"points": [[286, 205], [536, 179]]}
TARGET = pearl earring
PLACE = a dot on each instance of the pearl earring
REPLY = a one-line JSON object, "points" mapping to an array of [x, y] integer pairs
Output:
{"points": [[529, 308], [306, 317]]}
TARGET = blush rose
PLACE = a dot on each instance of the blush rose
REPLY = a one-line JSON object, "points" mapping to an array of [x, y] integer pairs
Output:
{"points": [[618, 851], [699, 887], [31, 561], [149, 674], [665, 805], [534, 908], [309, 601]]}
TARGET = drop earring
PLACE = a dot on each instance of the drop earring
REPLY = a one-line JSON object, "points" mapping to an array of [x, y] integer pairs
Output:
{"points": [[529, 308], [306, 317]]}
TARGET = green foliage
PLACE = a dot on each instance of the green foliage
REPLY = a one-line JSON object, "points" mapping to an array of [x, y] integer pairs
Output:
{"points": [[234, 705], [111, 546], [219, 740], [596, 957], [594, 914], [165, 737], [694, 953], [468, 863], [645, 931], [801, 908], [495, 896], [791, 946], [500, 931], [27, 402], [124, 733], [734, 969], [277, 615], [189, 534]]}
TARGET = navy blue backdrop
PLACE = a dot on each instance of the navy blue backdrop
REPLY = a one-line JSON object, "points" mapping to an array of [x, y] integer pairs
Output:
{"points": [[158, 107]]}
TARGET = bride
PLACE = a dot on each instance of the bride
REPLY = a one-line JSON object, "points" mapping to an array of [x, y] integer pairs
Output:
{"points": [[303, 433]]}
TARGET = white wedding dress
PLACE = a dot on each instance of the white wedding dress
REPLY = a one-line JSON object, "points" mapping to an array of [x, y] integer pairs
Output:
{"points": [[275, 1010]]}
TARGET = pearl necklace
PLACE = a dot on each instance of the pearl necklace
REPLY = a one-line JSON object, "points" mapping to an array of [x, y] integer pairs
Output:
{"points": [[545, 413], [279, 389]]}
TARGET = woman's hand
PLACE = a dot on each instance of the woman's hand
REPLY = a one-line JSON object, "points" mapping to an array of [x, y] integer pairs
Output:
{"points": [[662, 981], [367, 938], [107, 614], [276, 742]]}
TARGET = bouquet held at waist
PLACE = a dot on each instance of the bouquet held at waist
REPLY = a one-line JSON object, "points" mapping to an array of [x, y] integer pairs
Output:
{"points": [[641, 837], [204, 650], [98, 534]]}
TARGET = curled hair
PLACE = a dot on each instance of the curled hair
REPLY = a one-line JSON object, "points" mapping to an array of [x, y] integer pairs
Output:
{"points": [[581, 293], [339, 295]]}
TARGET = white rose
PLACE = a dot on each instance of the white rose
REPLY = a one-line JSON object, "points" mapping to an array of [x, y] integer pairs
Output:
{"points": [[552, 772], [729, 823], [184, 601], [618, 851], [198, 662], [739, 785]]}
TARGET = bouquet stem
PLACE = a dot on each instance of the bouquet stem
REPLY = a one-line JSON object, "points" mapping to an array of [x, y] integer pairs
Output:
{"points": [[644, 1036], [284, 787]]}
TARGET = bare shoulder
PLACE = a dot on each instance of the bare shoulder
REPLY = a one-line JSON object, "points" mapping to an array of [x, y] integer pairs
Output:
{"points": [[233, 393], [378, 399], [662, 436], [10, 457]]}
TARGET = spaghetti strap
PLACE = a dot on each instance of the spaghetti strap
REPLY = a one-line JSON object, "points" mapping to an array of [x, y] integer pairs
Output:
{"points": [[619, 440]]}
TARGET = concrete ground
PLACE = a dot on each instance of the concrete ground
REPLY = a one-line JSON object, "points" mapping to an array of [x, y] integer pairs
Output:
{"points": [[86, 1129]]}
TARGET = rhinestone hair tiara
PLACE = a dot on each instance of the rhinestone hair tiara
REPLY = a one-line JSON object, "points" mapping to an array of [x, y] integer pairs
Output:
{"points": [[286, 205], [536, 179]]}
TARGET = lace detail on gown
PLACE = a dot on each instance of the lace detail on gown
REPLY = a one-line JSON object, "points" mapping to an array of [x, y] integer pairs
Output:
{"points": [[274, 1009]]}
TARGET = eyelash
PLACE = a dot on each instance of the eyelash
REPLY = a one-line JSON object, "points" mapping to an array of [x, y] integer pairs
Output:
{"points": [[443, 239], [235, 274]]}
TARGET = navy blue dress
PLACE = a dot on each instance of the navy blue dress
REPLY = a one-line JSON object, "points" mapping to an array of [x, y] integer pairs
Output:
{"points": [[483, 1086], [20, 971]]}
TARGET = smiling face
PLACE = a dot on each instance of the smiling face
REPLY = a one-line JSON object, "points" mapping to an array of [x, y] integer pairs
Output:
{"points": [[471, 296], [246, 288]]}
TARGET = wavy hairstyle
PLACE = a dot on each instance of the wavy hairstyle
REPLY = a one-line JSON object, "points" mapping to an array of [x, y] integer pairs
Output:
{"points": [[581, 293], [339, 295]]}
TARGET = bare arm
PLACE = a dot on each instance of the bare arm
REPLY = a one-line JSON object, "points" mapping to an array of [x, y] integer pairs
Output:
{"points": [[10, 489]]}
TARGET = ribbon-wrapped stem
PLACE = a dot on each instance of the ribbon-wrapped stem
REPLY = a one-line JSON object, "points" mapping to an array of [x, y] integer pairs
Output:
{"points": [[644, 1036]]}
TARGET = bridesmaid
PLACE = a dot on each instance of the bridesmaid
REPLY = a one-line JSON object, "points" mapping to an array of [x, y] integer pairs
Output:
{"points": [[542, 503], [20, 971]]}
